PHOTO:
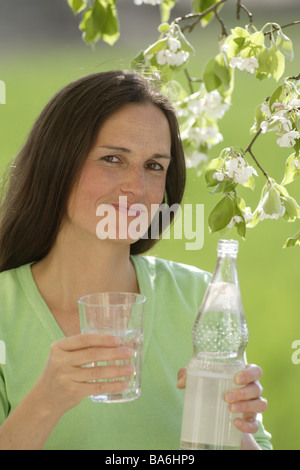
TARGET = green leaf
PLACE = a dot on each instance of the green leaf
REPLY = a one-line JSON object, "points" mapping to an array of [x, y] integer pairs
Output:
{"points": [[101, 21], [291, 207], [185, 45], [293, 241], [253, 46], [221, 215], [285, 45], [165, 9], [89, 26], [222, 71], [291, 171], [199, 6], [77, 5], [277, 96], [110, 30], [259, 118], [235, 46], [156, 47], [212, 167], [238, 209], [271, 63], [211, 79]]}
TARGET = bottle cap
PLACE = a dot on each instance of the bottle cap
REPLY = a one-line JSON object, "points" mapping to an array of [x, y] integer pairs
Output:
{"points": [[228, 247]]}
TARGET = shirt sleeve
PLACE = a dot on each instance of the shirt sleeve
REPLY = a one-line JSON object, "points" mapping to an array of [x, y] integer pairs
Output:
{"points": [[4, 405], [262, 437]]}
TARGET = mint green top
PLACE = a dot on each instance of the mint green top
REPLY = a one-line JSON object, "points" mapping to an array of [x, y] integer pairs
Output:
{"points": [[152, 422]]}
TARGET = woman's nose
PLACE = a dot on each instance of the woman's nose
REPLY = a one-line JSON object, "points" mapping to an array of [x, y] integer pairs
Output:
{"points": [[134, 182]]}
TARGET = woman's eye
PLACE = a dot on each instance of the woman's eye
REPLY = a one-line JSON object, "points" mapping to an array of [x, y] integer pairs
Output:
{"points": [[110, 159], [155, 166]]}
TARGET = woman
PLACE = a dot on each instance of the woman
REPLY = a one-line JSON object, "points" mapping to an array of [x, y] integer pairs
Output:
{"points": [[103, 137]]}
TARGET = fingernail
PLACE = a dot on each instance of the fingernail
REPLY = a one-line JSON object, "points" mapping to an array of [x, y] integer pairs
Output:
{"points": [[235, 407], [229, 397], [239, 380], [130, 370], [128, 352]]}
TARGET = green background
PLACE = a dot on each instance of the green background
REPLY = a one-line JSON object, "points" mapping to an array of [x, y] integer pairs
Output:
{"points": [[269, 274]]}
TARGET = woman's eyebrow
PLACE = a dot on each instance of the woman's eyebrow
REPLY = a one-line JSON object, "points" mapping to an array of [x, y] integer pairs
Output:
{"points": [[124, 149]]}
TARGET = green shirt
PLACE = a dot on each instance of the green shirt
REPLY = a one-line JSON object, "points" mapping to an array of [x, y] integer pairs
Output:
{"points": [[152, 422]]}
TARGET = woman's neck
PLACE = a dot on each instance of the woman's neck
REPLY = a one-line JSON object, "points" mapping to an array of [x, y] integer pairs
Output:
{"points": [[74, 268]]}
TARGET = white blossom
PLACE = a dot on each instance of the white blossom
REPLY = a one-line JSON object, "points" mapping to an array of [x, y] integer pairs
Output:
{"points": [[288, 139], [225, 48], [148, 2], [204, 135], [276, 123], [294, 103], [211, 103], [237, 169], [219, 176], [167, 57], [173, 44], [236, 219], [296, 163], [249, 63], [194, 159]]}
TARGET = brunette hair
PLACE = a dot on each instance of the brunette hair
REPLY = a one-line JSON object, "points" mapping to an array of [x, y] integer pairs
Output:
{"points": [[46, 169]]}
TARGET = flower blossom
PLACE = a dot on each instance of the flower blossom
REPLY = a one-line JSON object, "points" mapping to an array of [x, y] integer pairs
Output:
{"points": [[249, 63], [194, 159], [174, 55], [296, 164], [276, 123], [212, 104], [288, 139], [237, 169], [148, 2], [270, 206], [203, 135]]}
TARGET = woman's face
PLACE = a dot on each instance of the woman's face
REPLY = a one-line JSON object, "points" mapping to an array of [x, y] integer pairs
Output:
{"points": [[123, 179]]}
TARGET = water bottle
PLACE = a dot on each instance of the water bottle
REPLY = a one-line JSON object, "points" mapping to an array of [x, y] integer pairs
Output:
{"points": [[219, 337]]}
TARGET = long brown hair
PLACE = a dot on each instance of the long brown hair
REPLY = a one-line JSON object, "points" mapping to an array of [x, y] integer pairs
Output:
{"points": [[46, 169]]}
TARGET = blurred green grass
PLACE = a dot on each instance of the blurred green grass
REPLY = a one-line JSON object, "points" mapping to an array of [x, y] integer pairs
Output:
{"points": [[269, 275]]}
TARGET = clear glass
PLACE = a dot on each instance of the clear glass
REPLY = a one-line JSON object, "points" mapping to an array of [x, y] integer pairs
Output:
{"points": [[219, 337], [119, 314]]}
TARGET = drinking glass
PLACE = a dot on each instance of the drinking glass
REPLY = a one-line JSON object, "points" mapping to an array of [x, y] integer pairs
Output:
{"points": [[119, 314]]}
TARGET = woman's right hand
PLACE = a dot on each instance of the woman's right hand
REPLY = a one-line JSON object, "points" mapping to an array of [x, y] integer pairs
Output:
{"points": [[64, 382]]}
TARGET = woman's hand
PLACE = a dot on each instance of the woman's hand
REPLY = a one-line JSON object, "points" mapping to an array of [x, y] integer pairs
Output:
{"points": [[64, 382], [245, 400]]}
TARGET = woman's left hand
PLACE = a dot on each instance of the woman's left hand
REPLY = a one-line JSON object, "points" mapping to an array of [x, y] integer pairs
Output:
{"points": [[245, 400]]}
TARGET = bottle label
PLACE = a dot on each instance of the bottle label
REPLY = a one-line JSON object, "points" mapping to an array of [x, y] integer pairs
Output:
{"points": [[222, 297]]}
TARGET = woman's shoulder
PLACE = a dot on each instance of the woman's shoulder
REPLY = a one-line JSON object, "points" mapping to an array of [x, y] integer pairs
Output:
{"points": [[166, 269], [10, 279]]}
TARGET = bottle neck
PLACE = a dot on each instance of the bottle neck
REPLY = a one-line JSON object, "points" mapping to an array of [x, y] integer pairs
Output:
{"points": [[226, 269]]}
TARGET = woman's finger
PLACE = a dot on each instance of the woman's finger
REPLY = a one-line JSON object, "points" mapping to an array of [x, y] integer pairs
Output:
{"points": [[249, 392], [258, 405], [251, 373], [88, 374]]}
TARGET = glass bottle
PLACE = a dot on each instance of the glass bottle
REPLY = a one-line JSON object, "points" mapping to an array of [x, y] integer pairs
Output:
{"points": [[219, 337]]}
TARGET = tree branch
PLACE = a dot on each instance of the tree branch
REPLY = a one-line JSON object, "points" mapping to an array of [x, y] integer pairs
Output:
{"points": [[297, 77], [277, 28], [249, 150], [240, 7], [198, 16]]}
